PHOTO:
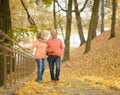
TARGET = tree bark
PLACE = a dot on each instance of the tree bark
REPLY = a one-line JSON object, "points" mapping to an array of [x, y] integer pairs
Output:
{"points": [[79, 23], [114, 4], [68, 31], [5, 25], [5, 16], [102, 16], [92, 26], [54, 15]]}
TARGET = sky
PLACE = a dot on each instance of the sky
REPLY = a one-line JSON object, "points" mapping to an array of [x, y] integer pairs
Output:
{"points": [[84, 14]]}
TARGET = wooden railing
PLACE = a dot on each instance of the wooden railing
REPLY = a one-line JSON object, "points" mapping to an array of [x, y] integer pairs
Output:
{"points": [[16, 63]]}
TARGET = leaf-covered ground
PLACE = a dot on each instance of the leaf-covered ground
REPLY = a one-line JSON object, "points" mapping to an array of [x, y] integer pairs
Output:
{"points": [[95, 73], [102, 64]]}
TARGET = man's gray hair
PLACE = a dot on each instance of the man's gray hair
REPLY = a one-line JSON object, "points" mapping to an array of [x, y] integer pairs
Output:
{"points": [[53, 31]]}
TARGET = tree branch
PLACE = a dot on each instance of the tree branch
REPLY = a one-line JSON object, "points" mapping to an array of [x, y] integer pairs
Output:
{"points": [[72, 10], [83, 6], [30, 19], [60, 6]]}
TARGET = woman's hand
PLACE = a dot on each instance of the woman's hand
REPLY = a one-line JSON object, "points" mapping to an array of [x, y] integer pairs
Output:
{"points": [[26, 48]]}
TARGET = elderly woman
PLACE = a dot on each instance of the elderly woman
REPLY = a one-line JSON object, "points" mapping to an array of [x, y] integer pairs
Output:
{"points": [[40, 54]]}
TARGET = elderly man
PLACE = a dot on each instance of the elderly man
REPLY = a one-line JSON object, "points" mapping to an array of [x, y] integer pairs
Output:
{"points": [[55, 49]]}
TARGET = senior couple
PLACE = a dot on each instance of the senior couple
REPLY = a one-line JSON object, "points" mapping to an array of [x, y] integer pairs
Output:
{"points": [[54, 48]]}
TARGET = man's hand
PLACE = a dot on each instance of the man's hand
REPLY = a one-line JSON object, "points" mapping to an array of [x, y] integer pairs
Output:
{"points": [[50, 50]]}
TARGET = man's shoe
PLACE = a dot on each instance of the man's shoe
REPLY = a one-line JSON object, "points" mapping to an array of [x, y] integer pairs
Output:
{"points": [[56, 81]]}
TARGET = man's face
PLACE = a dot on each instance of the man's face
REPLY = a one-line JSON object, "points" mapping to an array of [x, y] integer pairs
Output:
{"points": [[53, 34]]}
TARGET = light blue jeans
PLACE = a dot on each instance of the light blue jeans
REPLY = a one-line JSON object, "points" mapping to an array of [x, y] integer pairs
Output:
{"points": [[40, 68]]}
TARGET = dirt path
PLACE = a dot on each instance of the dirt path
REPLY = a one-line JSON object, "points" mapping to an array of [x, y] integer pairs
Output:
{"points": [[67, 85]]}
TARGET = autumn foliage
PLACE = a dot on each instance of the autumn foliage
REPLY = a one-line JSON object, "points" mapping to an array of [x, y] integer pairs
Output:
{"points": [[101, 64], [84, 74]]}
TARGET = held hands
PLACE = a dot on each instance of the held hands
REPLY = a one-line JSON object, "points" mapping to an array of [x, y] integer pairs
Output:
{"points": [[50, 50]]}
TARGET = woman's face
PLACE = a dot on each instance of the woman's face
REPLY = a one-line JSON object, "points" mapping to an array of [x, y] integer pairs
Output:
{"points": [[42, 35]]}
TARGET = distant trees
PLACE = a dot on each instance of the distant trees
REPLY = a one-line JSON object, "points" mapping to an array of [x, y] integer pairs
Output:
{"points": [[93, 22], [33, 11], [48, 23]]}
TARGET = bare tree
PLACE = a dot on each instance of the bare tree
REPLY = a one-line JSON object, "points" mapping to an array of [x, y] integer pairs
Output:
{"points": [[60, 25], [5, 25], [68, 31], [114, 5], [30, 19], [92, 25], [5, 16], [78, 20], [54, 14], [102, 16]]}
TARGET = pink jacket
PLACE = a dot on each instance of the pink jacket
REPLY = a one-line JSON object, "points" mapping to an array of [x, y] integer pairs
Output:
{"points": [[40, 49], [56, 45]]}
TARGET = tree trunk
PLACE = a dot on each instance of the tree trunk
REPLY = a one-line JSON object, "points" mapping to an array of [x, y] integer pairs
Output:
{"points": [[79, 24], [5, 25], [95, 27], [54, 15], [60, 25], [102, 16], [5, 16], [68, 31], [96, 17], [114, 3], [92, 26]]}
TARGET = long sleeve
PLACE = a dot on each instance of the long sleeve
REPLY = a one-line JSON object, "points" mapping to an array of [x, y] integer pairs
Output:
{"points": [[33, 45], [56, 46], [62, 48], [40, 51]]}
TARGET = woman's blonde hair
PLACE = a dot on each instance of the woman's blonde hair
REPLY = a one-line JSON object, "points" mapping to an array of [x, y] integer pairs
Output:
{"points": [[38, 34]]}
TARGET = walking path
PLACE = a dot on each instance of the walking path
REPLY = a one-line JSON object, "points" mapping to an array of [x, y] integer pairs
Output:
{"points": [[67, 85]]}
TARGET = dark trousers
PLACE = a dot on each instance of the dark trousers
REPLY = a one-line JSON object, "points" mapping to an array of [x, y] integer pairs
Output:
{"points": [[54, 60]]}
